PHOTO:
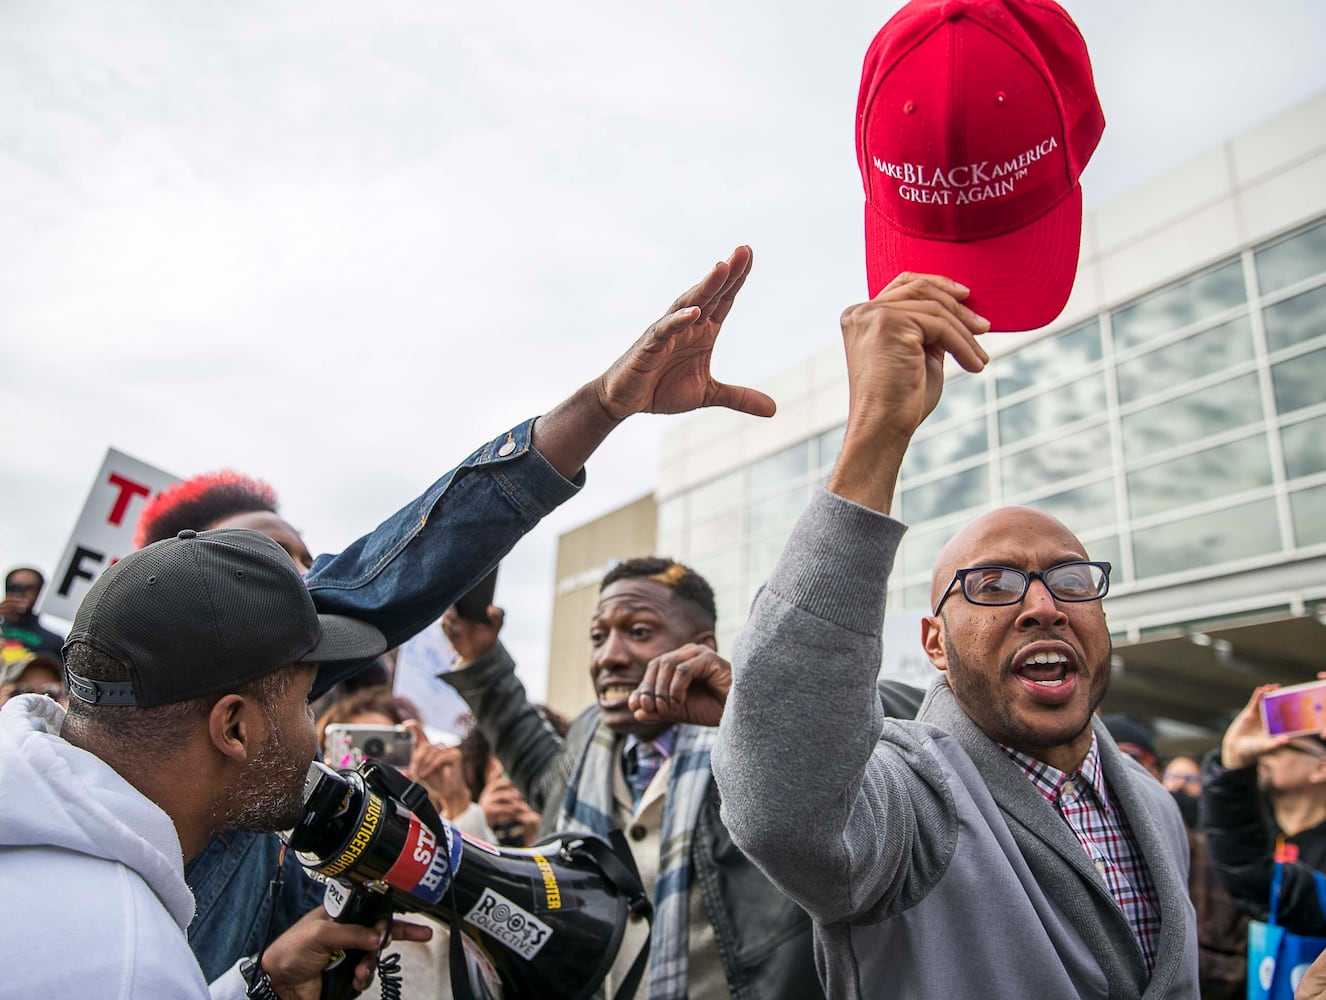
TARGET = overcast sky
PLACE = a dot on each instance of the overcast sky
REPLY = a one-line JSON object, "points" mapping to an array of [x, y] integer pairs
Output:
{"points": [[338, 245]]}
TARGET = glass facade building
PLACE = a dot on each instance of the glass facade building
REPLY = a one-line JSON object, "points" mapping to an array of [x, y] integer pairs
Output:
{"points": [[1182, 433], [1175, 418]]}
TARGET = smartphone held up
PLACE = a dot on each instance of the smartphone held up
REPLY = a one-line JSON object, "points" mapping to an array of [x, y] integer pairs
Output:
{"points": [[473, 605], [1296, 710], [350, 744]]}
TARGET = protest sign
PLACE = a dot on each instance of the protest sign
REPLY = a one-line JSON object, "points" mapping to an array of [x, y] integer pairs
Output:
{"points": [[418, 662], [105, 528]]}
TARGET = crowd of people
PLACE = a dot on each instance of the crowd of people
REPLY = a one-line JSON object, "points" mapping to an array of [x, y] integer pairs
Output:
{"points": [[801, 830], [801, 826]]}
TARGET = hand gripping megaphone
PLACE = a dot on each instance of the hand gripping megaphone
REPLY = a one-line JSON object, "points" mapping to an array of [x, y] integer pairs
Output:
{"points": [[544, 921]]}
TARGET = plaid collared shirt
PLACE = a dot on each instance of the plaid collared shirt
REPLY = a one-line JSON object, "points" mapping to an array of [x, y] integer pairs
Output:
{"points": [[642, 759], [1084, 801]]}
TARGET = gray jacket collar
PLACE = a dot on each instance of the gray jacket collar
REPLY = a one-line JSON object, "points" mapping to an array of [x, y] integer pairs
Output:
{"points": [[1058, 860]]}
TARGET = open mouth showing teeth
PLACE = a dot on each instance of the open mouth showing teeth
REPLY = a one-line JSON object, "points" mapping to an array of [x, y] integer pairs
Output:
{"points": [[1047, 669], [616, 692]]}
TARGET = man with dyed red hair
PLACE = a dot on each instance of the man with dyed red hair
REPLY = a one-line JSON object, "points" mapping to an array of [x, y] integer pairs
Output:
{"points": [[223, 499]]}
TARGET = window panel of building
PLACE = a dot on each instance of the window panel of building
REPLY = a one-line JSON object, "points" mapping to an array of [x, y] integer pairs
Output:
{"points": [[1189, 418], [1300, 381], [730, 607], [726, 635], [1108, 550], [969, 488], [714, 534], [920, 548], [672, 543], [1221, 536], [776, 513], [916, 598], [1089, 506], [672, 516], [1293, 259], [1304, 446], [1190, 358], [1179, 305], [1049, 359], [1309, 510], [761, 557], [722, 568], [1055, 407], [1230, 468], [779, 469], [716, 497], [828, 445], [963, 397], [953, 445], [1056, 459], [1296, 320]]}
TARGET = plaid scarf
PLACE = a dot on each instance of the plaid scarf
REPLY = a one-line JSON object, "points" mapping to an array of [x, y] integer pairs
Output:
{"points": [[588, 805]]}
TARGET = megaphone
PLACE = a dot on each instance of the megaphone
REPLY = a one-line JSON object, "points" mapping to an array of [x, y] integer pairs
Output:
{"points": [[544, 921]]}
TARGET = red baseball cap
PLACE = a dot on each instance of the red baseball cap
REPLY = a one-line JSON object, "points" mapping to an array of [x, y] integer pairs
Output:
{"points": [[974, 121]]}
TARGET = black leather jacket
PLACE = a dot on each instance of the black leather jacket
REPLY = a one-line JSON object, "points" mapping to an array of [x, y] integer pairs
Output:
{"points": [[1242, 839], [763, 938]]}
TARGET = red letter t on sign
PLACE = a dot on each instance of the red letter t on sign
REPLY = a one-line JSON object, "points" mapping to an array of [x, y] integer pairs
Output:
{"points": [[128, 490]]}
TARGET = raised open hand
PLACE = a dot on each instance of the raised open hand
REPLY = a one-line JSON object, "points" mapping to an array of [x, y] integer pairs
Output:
{"points": [[667, 369]]}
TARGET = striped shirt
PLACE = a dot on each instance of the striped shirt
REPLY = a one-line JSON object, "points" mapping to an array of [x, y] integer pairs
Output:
{"points": [[1091, 812], [641, 759]]}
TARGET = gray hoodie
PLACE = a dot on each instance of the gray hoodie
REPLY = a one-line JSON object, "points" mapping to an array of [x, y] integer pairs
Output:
{"points": [[94, 902]]}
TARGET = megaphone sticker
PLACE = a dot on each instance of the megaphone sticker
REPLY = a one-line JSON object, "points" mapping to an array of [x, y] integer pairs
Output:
{"points": [[424, 868], [550, 886], [363, 836], [518, 929]]}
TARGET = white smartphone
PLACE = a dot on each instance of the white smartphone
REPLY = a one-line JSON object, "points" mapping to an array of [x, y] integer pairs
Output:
{"points": [[1295, 710], [347, 744]]}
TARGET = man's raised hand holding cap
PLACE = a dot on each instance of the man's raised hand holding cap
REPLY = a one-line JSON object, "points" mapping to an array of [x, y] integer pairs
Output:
{"points": [[974, 121]]}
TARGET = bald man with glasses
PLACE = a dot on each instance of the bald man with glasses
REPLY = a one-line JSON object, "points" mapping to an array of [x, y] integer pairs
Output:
{"points": [[1000, 845]]}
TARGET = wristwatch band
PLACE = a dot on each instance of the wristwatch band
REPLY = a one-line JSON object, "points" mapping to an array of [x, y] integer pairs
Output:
{"points": [[258, 982]]}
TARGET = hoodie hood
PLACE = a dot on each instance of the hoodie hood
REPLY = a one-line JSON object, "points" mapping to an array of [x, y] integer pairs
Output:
{"points": [[55, 795]]}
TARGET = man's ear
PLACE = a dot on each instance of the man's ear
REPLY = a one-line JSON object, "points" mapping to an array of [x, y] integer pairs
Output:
{"points": [[932, 640], [707, 639], [237, 727]]}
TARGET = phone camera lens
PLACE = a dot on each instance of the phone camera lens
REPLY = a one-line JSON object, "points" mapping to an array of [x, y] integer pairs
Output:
{"points": [[374, 747]]}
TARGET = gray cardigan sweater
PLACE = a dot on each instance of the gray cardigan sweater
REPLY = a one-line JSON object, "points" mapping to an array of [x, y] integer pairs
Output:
{"points": [[930, 864]]}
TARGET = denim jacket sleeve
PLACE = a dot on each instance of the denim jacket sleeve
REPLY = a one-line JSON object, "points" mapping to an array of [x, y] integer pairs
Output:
{"points": [[521, 738], [412, 567]]}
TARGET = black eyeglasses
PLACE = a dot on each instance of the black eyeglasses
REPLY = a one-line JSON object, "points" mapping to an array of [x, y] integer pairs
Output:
{"points": [[995, 586]]}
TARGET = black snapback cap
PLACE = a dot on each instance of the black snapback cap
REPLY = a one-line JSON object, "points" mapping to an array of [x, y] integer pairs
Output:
{"points": [[204, 613]]}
